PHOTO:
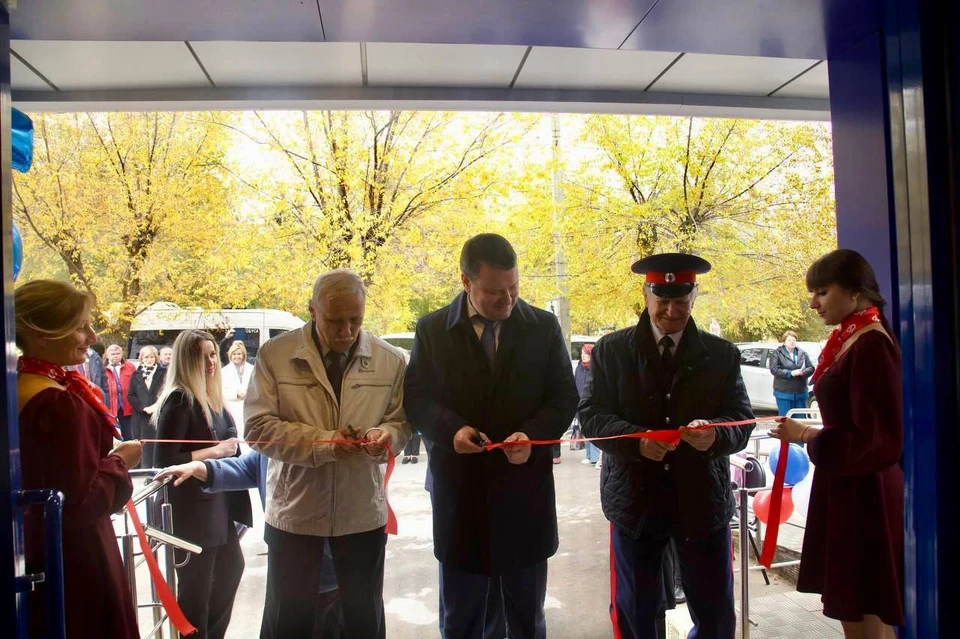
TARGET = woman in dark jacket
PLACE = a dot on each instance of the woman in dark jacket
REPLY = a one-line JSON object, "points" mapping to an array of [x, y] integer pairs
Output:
{"points": [[144, 392], [191, 408], [791, 368]]}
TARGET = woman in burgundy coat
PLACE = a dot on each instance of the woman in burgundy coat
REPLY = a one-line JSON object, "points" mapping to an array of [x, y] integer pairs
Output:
{"points": [[853, 546], [66, 444]]}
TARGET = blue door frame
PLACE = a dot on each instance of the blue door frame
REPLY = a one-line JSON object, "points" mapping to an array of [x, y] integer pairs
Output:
{"points": [[11, 541], [895, 97]]}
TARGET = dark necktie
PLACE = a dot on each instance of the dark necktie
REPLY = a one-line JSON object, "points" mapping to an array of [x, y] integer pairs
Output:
{"points": [[666, 357], [335, 371], [488, 340], [116, 379]]}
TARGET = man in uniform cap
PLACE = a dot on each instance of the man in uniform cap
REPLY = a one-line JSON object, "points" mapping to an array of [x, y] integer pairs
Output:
{"points": [[665, 373]]}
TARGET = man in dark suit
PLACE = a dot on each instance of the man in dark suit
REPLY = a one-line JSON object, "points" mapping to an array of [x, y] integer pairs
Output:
{"points": [[663, 374], [491, 368]]}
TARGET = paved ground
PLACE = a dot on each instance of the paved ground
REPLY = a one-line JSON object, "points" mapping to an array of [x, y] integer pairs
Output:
{"points": [[578, 588]]}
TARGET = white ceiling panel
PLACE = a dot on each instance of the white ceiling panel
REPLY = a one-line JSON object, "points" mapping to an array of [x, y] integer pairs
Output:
{"points": [[567, 68], [456, 65], [23, 78], [281, 63], [815, 83], [112, 65], [729, 74]]}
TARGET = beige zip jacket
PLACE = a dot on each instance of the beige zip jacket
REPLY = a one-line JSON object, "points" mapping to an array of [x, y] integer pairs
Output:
{"points": [[309, 491]]}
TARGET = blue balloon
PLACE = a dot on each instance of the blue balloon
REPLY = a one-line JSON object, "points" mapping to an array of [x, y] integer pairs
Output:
{"points": [[21, 140], [798, 464], [17, 252]]}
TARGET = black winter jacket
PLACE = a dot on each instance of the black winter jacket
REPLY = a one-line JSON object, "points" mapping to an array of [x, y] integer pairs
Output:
{"points": [[782, 367], [688, 493]]}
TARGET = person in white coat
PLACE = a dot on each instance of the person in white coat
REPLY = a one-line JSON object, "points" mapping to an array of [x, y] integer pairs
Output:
{"points": [[236, 376]]}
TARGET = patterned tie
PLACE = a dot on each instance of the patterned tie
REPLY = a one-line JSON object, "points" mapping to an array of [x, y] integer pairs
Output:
{"points": [[488, 340], [667, 357], [335, 371]]}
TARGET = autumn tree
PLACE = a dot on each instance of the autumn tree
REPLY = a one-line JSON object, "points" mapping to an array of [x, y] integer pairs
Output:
{"points": [[131, 204], [755, 198], [345, 189]]}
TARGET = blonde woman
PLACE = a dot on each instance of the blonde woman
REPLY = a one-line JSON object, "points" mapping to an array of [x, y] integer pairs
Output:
{"points": [[236, 376], [66, 444], [145, 387], [191, 408]]}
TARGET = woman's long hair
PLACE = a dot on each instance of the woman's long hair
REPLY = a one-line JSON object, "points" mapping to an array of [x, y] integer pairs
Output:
{"points": [[188, 374], [852, 272]]}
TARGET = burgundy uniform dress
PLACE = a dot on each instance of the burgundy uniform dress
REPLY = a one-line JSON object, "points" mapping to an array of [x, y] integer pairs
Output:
{"points": [[64, 445], [853, 546]]}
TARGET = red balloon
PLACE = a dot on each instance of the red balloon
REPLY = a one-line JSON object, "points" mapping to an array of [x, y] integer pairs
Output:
{"points": [[761, 505]]}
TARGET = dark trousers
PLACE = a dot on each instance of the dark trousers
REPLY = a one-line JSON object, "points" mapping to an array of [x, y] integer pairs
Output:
{"points": [[464, 599], [637, 586], [208, 584], [293, 579], [494, 622], [126, 429], [329, 617], [412, 449]]}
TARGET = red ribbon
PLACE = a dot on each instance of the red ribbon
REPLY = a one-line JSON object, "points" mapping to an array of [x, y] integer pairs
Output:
{"points": [[167, 598], [776, 501], [665, 436]]}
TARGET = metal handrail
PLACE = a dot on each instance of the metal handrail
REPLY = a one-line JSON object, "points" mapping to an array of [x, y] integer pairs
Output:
{"points": [[161, 541], [170, 540], [743, 517], [151, 489], [52, 577]]}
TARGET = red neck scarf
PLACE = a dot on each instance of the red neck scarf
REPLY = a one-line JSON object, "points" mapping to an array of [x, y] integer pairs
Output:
{"points": [[850, 325], [75, 382]]}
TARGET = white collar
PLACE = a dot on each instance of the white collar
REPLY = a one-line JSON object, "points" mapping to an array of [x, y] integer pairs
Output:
{"points": [[658, 335]]}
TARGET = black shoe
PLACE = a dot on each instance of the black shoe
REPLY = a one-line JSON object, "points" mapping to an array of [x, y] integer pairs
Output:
{"points": [[406, 460], [414, 460]]}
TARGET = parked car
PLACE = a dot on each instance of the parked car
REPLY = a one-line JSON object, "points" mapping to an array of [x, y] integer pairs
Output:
{"points": [[755, 368], [403, 341]]}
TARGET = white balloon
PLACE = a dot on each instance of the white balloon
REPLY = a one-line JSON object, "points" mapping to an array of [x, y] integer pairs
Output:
{"points": [[801, 494]]}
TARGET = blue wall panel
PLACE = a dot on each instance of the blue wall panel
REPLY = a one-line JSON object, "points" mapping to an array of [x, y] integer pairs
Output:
{"points": [[858, 113]]}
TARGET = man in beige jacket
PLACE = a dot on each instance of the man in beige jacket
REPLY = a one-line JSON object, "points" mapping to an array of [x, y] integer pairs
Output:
{"points": [[329, 380]]}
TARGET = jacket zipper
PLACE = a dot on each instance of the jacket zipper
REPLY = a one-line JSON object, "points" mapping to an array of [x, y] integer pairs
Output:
{"points": [[356, 386]]}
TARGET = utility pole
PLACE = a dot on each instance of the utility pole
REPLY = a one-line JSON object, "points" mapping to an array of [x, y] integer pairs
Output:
{"points": [[561, 305]]}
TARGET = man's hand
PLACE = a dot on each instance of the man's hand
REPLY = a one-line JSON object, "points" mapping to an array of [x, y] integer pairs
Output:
{"points": [[226, 448], [345, 451], [183, 472], [465, 441], [377, 441], [129, 451], [517, 454], [652, 449], [700, 439], [797, 372]]}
